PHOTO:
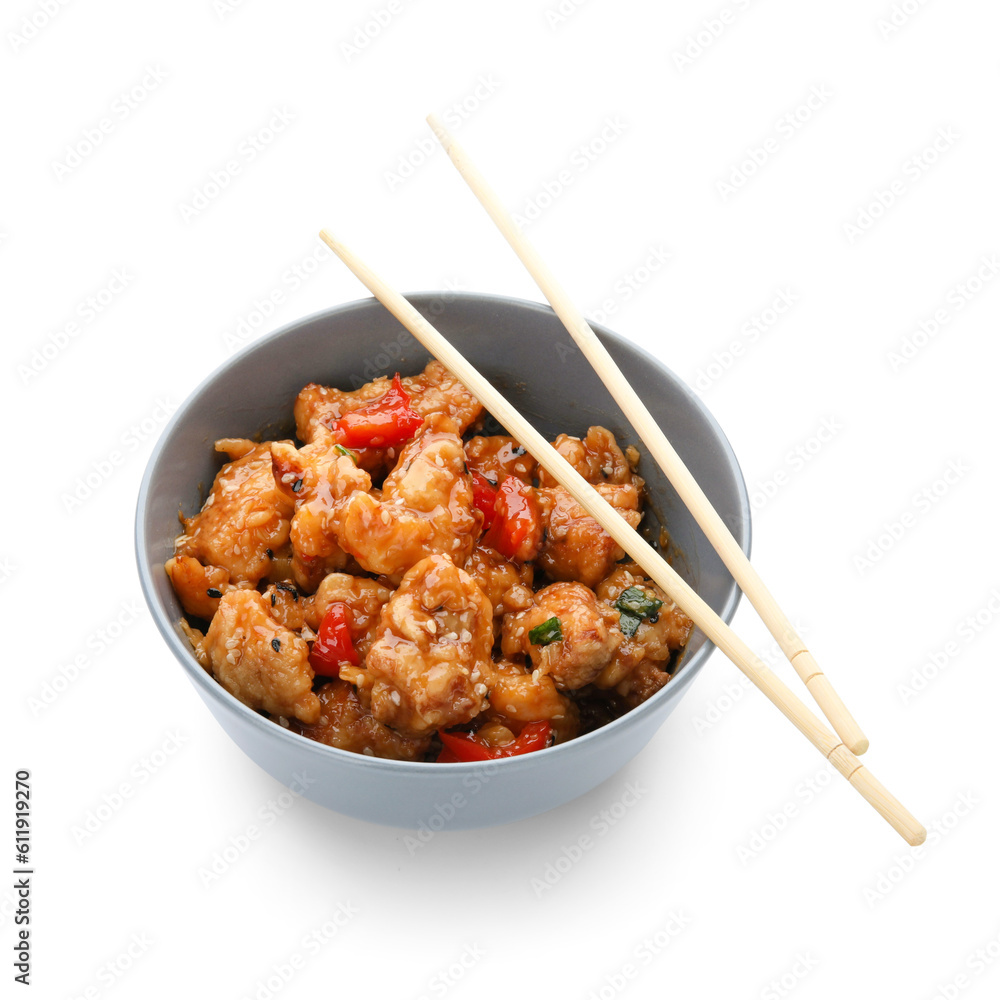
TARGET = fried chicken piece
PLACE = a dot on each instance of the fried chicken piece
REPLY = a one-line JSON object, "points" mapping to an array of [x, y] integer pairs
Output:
{"points": [[576, 546], [244, 516], [497, 457], [198, 587], [589, 635], [346, 724], [597, 458], [315, 479], [497, 575], [425, 507], [656, 638], [642, 683], [431, 652], [364, 597], [518, 697], [435, 390], [259, 661], [288, 606]]}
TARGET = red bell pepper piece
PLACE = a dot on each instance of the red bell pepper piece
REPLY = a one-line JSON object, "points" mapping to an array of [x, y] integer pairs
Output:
{"points": [[484, 496], [383, 423], [465, 746], [333, 643], [517, 526]]}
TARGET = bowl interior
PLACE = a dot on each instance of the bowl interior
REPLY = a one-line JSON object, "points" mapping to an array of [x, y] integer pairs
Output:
{"points": [[520, 346]]}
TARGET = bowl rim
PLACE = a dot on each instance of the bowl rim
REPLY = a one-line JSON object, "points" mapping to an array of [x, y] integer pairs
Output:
{"points": [[208, 685]]}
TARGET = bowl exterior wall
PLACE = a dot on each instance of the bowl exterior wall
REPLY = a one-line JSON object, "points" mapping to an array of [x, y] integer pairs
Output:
{"points": [[524, 350]]}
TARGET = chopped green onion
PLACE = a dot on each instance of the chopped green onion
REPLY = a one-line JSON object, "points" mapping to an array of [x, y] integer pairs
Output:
{"points": [[629, 624], [635, 604], [548, 631], [346, 451]]}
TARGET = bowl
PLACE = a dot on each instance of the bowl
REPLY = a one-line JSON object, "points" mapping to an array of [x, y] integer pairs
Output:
{"points": [[524, 350]]}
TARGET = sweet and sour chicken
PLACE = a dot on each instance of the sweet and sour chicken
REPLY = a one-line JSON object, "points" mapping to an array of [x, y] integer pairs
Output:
{"points": [[399, 584]]}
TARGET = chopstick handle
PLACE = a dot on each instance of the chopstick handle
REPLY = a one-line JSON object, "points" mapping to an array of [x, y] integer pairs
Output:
{"points": [[663, 453], [631, 541]]}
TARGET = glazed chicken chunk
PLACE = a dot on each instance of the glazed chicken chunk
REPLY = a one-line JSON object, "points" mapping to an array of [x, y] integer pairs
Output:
{"points": [[587, 630], [345, 723], [497, 457], [435, 390], [365, 599], [260, 661], [597, 458], [576, 546], [230, 542], [657, 635], [518, 696], [425, 507], [315, 479], [431, 655]]}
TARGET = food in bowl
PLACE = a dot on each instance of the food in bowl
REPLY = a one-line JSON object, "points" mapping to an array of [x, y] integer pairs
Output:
{"points": [[405, 583]]}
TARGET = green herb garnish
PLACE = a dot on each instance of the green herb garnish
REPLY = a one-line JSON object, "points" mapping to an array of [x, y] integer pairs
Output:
{"points": [[346, 451], [635, 605], [548, 631]]}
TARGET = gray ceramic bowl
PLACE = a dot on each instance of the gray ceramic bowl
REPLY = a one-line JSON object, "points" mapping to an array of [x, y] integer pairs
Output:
{"points": [[524, 350]]}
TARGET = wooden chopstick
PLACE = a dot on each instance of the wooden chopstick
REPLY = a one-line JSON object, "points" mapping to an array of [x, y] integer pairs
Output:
{"points": [[662, 451], [887, 805]]}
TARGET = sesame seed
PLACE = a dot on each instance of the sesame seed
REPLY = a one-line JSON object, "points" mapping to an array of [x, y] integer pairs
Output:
{"points": [[276, 645], [432, 626], [396, 700]]}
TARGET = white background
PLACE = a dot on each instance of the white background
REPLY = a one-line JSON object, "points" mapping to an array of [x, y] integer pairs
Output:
{"points": [[834, 903]]}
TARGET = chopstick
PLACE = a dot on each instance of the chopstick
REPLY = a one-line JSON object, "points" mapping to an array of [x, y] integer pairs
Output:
{"points": [[663, 452], [886, 804]]}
